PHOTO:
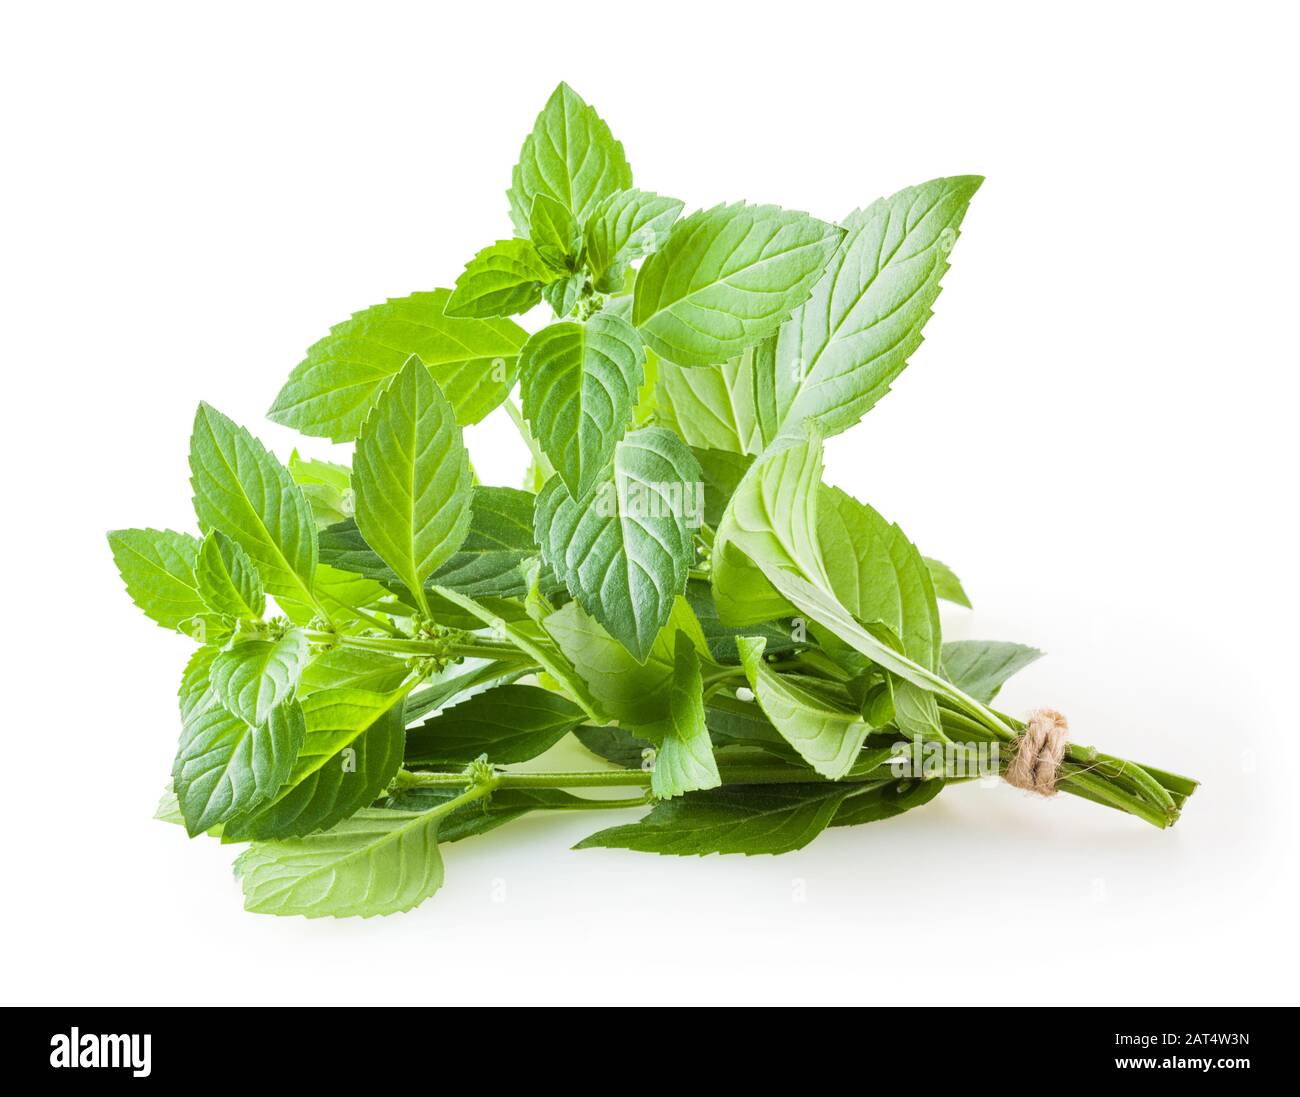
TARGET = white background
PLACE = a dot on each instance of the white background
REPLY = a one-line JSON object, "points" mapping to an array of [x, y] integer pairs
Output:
{"points": [[1098, 435]]}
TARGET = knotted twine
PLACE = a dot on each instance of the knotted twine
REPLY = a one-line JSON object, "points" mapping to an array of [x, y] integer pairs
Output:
{"points": [[1038, 751]]}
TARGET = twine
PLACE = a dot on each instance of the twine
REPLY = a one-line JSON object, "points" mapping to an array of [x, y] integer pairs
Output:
{"points": [[1038, 752]]}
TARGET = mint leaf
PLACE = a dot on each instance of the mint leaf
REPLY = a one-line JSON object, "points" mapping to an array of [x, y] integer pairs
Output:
{"points": [[253, 677], [726, 277], [880, 576], [529, 638], [332, 390], [623, 228], [554, 232], [570, 156], [770, 519], [511, 723], [339, 668], [885, 801], [877, 573], [411, 476], [684, 762], [350, 754], [624, 551], [580, 382], [226, 765], [823, 608], [734, 819], [634, 691], [227, 579], [980, 667], [376, 862], [327, 486], [711, 407], [501, 280], [616, 745], [490, 561], [721, 639], [157, 566], [563, 295], [839, 353], [946, 584], [455, 685], [722, 473], [242, 490], [827, 739]]}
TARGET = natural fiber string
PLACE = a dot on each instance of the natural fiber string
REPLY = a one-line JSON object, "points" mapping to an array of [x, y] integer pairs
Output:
{"points": [[1038, 752]]}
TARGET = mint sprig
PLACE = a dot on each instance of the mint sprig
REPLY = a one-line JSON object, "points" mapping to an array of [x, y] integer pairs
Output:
{"points": [[750, 653]]}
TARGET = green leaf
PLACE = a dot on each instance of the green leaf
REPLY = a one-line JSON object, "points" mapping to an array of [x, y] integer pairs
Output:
{"points": [[376, 862], [327, 486], [721, 639], [733, 819], [570, 156], [499, 543], [711, 407], [342, 594], [252, 678], [980, 667], [242, 490], [504, 806], [946, 584], [839, 353], [877, 573], [885, 801], [157, 566], [351, 752], [823, 608], [330, 393], [528, 638], [195, 693], [727, 277], [501, 280], [554, 232], [644, 409], [226, 765], [455, 684], [490, 561], [632, 691], [580, 382], [412, 479], [624, 551], [722, 473], [770, 518], [169, 808], [227, 578], [744, 724], [623, 228], [684, 762], [563, 295], [509, 724], [339, 668], [826, 738], [616, 745]]}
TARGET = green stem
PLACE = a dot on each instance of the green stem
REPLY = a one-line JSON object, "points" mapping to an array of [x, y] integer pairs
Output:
{"points": [[633, 778], [373, 621], [469, 647], [1098, 777]]}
